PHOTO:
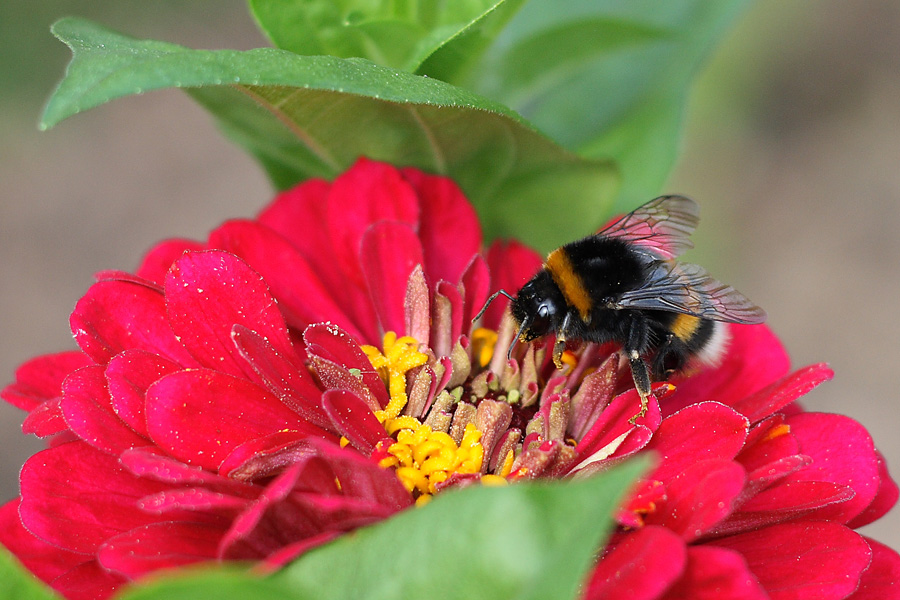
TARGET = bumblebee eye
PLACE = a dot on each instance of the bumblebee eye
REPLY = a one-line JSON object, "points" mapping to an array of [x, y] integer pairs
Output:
{"points": [[543, 311]]}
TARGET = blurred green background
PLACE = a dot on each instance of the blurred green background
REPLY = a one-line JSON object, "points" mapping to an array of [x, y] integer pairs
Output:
{"points": [[792, 148]]}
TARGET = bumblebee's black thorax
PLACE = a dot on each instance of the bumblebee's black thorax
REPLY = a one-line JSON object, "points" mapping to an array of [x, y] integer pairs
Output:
{"points": [[594, 271]]}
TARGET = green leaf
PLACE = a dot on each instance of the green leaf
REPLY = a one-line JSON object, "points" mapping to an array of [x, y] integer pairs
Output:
{"points": [[16, 583], [393, 34], [208, 581], [306, 116], [606, 78], [525, 541]]}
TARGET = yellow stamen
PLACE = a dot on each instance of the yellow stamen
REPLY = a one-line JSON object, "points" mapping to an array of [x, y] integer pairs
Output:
{"points": [[423, 458], [483, 342], [777, 431]]}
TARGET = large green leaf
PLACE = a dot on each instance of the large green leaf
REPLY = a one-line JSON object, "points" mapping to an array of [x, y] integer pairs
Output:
{"points": [[305, 116], [16, 583], [605, 78], [394, 34], [531, 541]]}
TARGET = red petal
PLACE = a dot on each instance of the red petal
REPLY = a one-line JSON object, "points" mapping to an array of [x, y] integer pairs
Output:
{"points": [[117, 315], [476, 282], [43, 559], [819, 560], [160, 546], [200, 416], [367, 193], [285, 376], [389, 253], [291, 214], [512, 264], [784, 391], [354, 419], [266, 456], [843, 453], [330, 343], [701, 431], [716, 574], [699, 498], [787, 501], [88, 411], [884, 500], [207, 294], [640, 567], [156, 263], [754, 358], [447, 318], [128, 375], [881, 581], [147, 463], [301, 295], [448, 225], [46, 419], [41, 378], [77, 497], [613, 422], [88, 581], [417, 307]]}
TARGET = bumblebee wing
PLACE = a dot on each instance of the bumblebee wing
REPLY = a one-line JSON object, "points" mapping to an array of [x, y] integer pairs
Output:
{"points": [[662, 226], [689, 289]]}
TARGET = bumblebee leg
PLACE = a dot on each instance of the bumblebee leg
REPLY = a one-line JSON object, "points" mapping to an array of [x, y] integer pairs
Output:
{"points": [[637, 339], [641, 382], [559, 346]]}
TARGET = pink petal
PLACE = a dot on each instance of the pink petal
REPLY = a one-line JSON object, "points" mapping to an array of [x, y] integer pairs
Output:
{"points": [[76, 497], [512, 264], [843, 453], [302, 296], [160, 546], [156, 263], [784, 391], [417, 307], [699, 432], [754, 358], [884, 500], [448, 226], [389, 253], [881, 581], [365, 194], [447, 323], [354, 419], [640, 567], [699, 498], [128, 375], [716, 574], [207, 294], [40, 379], [88, 411], [200, 416], [114, 316], [819, 560]]}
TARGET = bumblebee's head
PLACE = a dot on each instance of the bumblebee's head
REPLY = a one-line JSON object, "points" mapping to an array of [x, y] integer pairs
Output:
{"points": [[538, 308]]}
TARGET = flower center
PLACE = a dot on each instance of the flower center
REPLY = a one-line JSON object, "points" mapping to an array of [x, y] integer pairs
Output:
{"points": [[422, 457]]}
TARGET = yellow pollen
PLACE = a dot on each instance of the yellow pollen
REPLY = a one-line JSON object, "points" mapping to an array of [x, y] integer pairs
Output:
{"points": [[777, 431], [483, 342], [423, 458]]}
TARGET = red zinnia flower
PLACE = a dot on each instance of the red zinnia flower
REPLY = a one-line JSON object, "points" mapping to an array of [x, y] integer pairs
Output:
{"points": [[316, 370]]}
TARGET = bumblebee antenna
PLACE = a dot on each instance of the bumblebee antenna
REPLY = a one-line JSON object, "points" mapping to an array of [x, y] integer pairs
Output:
{"points": [[488, 303]]}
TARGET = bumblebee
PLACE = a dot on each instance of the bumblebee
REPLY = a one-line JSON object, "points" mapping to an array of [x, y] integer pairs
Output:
{"points": [[624, 285]]}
